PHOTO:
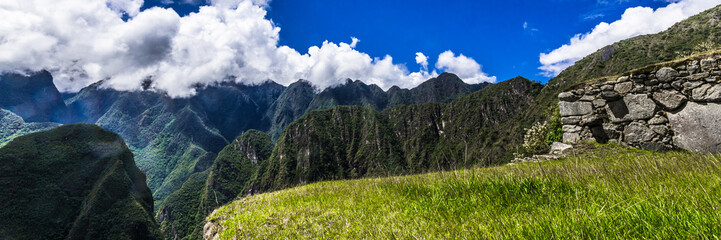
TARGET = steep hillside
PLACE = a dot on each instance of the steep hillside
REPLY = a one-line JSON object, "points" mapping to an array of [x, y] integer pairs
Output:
{"points": [[289, 106], [338, 143], [351, 93], [182, 214], [33, 97], [351, 142], [597, 192], [12, 126], [300, 97], [73, 182], [169, 137]]}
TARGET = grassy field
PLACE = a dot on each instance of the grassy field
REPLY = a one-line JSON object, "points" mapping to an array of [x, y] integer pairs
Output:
{"points": [[599, 192]]}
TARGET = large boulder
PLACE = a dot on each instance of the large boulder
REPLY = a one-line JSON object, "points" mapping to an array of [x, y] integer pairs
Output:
{"points": [[638, 133], [697, 127], [631, 107], [669, 99], [575, 108], [666, 74]]}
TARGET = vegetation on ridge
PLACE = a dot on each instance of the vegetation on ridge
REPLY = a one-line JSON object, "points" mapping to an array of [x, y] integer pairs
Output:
{"points": [[75, 181], [183, 213]]}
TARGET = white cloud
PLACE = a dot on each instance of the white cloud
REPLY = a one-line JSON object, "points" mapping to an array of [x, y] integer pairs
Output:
{"points": [[81, 42], [466, 68], [422, 60], [354, 42], [634, 22]]}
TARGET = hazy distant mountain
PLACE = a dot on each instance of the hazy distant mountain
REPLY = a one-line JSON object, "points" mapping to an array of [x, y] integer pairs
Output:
{"points": [[290, 105], [300, 97], [33, 97]]}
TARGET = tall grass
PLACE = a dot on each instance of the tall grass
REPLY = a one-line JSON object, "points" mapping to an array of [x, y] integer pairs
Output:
{"points": [[604, 192]]}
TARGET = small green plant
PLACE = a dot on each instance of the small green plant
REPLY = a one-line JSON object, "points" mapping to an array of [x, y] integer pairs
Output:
{"points": [[555, 128]]}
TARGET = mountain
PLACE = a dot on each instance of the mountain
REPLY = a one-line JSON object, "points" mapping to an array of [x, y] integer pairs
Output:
{"points": [[351, 93], [444, 88], [233, 108], [183, 213], [290, 105], [300, 98], [352, 141], [12, 126], [174, 138], [75, 181], [33, 97]]}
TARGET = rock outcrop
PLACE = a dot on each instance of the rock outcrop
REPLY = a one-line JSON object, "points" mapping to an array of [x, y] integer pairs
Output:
{"points": [[666, 106]]}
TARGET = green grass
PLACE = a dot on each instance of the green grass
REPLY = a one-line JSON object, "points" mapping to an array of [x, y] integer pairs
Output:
{"points": [[601, 192]]}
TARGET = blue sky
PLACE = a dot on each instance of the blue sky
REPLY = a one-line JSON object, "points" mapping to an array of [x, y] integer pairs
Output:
{"points": [[491, 32], [181, 44]]}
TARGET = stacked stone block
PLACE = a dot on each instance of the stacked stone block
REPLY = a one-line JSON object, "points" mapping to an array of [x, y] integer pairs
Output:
{"points": [[656, 109]]}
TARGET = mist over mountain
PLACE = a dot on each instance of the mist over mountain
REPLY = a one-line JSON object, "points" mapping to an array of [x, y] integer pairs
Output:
{"points": [[33, 97]]}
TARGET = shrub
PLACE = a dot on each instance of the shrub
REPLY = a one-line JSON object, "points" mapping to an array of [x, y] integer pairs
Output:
{"points": [[541, 135]]}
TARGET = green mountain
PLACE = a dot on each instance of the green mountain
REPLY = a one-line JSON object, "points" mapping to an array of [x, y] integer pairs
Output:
{"points": [[33, 97], [352, 141], [183, 213], [180, 215], [12, 126], [175, 138], [75, 181], [300, 98], [290, 105], [170, 138]]}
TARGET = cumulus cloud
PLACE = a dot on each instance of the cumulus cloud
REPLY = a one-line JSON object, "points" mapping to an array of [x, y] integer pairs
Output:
{"points": [[634, 22], [81, 42], [466, 68]]}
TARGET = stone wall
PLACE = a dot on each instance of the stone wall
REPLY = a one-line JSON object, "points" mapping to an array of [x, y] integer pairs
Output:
{"points": [[670, 106]]}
